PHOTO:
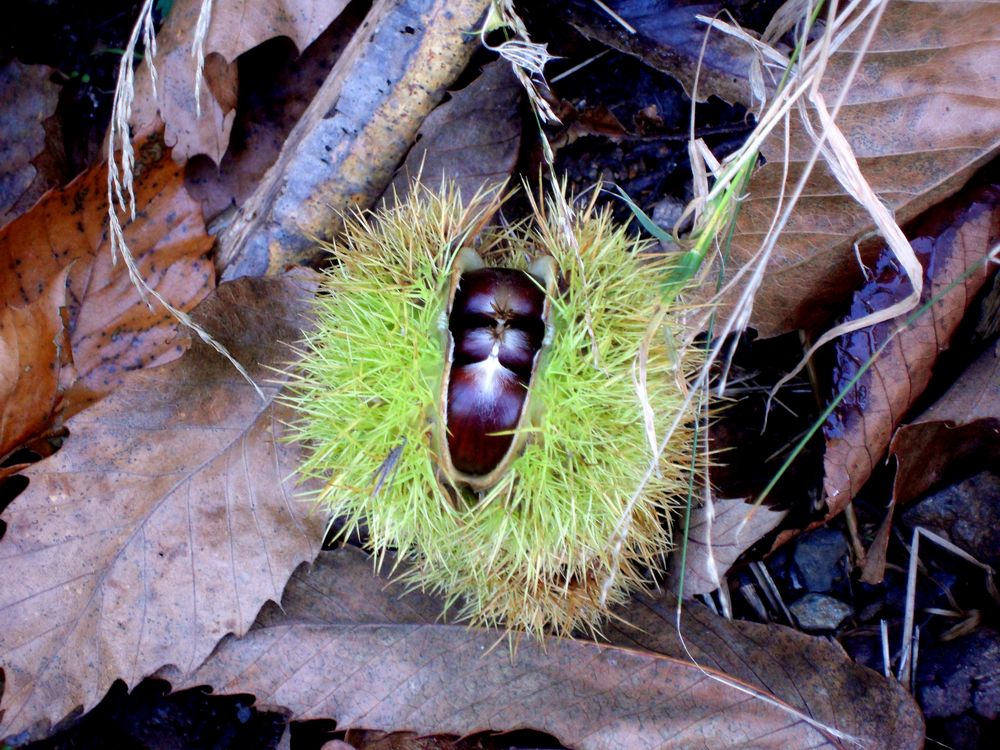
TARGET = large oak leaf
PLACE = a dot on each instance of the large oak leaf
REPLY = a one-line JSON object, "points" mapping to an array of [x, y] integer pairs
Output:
{"points": [[350, 647], [164, 523], [922, 115]]}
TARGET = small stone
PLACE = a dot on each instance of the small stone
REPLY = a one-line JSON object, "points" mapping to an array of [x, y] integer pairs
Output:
{"points": [[966, 513], [667, 212], [818, 559], [818, 612]]}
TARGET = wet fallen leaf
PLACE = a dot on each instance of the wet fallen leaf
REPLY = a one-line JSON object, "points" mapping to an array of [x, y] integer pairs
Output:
{"points": [[165, 522], [717, 536], [958, 435], [31, 340], [276, 85], [344, 149], [472, 139], [342, 587], [236, 26], [669, 37], [597, 120], [951, 241], [111, 329], [29, 99], [368, 672], [921, 117]]}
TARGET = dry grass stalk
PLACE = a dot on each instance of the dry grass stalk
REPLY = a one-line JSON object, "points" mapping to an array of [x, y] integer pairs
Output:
{"points": [[121, 176], [910, 636], [198, 50]]}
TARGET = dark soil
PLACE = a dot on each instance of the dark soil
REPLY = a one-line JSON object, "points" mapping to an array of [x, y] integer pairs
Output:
{"points": [[83, 42]]}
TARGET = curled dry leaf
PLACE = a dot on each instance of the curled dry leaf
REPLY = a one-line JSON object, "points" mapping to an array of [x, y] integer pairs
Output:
{"points": [[921, 118], [111, 329], [236, 26], [383, 665], [719, 533], [29, 99], [472, 139], [959, 434], [950, 242], [344, 149], [669, 37], [164, 523], [32, 356]]}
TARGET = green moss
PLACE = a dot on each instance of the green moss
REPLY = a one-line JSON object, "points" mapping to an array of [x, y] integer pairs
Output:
{"points": [[533, 551]]}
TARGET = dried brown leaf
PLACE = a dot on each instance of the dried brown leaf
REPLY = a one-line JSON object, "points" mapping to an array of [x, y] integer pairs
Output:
{"points": [[717, 536], [342, 587], [31, 340], [29, 99], [921, 116], [588, 695], [366, 668], [165, 522], [958, 435], [343, 151], [951, 241], [236, 26], [812, 674], [472, 139], [111, 329]]}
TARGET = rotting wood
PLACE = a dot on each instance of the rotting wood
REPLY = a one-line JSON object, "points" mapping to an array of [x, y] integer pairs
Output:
{"points": [[357, 129]]}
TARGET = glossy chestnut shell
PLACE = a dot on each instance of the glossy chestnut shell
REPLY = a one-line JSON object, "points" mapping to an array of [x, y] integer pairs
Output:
{"points": [[497, 330]]}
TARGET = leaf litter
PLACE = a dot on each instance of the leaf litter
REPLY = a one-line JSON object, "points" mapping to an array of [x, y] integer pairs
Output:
{"points": [[345, 148], [914, 148], [235, 27], [110, 329], [321, 659], [30, 99], [164, 523], [953, 247], [977, 37], [32, 360]]}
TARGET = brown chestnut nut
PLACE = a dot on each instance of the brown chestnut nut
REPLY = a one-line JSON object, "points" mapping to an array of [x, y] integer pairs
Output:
{"points": [[498, 293], [484, 398], [497, 329], [515, 348]]}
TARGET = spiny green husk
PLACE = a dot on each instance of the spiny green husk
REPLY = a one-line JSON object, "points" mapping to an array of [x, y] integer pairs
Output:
{"points": [[532, 552]]}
